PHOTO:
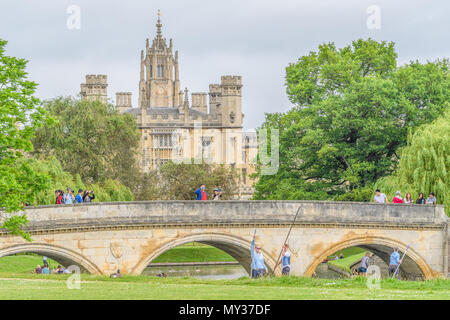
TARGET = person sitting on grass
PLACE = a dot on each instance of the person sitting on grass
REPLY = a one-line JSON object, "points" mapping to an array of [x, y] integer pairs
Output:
{"points": [[258, 267], [116, 275], [38, 269], [59, 269], [45, 269]]}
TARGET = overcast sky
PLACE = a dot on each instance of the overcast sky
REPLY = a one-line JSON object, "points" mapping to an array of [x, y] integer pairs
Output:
{"points": [[256, 39]]}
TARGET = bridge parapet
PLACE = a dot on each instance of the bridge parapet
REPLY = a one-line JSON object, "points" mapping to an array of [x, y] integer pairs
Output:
{"points": [[233, 212]]}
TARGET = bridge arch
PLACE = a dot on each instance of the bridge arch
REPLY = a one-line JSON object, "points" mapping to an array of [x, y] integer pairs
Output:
{"points": [[63, 255], [236, 247], [382, 246]]}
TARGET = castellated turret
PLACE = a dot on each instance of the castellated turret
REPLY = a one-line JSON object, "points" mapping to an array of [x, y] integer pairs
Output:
{"points": [[123, 101], [95, 88], [231, 100], [199, 102]]}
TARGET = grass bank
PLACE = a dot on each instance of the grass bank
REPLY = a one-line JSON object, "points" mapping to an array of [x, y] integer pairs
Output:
{"points": [[142, 287]]}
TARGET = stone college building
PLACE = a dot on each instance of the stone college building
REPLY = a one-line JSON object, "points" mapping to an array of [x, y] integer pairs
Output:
{"points": [[174, 127]]}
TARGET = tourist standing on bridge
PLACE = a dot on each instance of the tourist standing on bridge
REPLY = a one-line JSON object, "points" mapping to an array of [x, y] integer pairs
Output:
{"points": [[394, 262], [217, 194], [201, 193], [68, 197], [79, 197], [398, 198], [379, 197], [420, 199], [258, 266], [431, 199]]}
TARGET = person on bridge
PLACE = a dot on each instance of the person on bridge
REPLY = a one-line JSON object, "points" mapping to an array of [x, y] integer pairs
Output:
{"points": [[201, 193], [258, 266], [394, 262], [379, 197], [68, 197], [398, 198], [285, 260], [79, 197]]}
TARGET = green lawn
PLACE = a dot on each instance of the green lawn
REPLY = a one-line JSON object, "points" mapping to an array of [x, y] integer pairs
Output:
{"points": [[141, 287], [194, 252], [24, 263], [351, 255]]}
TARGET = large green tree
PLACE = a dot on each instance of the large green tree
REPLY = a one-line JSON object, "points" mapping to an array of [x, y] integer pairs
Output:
{"points": [[20, 115], [424, 164], [353, 110], [179, 181], [90, 139]]}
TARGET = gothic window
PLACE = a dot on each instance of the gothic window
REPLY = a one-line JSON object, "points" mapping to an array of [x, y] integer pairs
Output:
{"points": [[160, 68]]}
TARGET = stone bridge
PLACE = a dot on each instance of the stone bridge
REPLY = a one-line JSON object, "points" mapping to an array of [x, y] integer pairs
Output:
{"points": [[104, 237]]}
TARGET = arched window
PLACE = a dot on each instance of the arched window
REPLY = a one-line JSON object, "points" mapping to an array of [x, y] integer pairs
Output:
{"points": [[160, 68]]}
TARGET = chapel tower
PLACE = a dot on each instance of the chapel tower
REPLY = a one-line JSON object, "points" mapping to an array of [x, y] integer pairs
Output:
{"points": [[159, 84]]}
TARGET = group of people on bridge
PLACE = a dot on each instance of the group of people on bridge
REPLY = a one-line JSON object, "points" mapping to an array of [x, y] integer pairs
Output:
{"points": [[381, 198], [70, 198]]}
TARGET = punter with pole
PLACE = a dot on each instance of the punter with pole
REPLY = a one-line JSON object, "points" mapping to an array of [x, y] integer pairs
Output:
{"points": [[258, 266], [394, 263], [285, 260]]}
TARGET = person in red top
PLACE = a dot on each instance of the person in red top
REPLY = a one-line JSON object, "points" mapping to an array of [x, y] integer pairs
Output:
{"points": [[398, 198], [58, 196]]}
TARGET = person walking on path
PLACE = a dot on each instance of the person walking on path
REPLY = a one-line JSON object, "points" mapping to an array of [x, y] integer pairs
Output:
{"points": [[258, 266], [364, 264], [285, 260], [201, 193], [394, 262]]}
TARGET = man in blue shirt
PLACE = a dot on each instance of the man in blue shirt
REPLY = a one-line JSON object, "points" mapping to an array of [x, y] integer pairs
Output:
{"points": [[258, 266], [394, 262], [79, 197], [201, 193]]}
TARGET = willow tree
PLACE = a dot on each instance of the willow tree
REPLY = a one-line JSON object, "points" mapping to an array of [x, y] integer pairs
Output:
{"points": [[424, 163]]}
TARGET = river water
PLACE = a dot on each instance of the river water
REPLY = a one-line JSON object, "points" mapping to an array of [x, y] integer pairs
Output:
{"points": [[199, 271]]}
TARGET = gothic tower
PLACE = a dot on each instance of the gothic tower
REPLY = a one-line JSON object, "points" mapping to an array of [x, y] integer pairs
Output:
{"points": [[159, 84]]}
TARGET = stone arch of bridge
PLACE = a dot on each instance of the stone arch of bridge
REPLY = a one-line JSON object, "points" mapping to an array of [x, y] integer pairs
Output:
{"points": [[413, 265], [64, 256], [236, 247]]}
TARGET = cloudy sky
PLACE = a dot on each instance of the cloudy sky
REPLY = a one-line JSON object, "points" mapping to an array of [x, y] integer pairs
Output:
{"points": [[256, 39]]}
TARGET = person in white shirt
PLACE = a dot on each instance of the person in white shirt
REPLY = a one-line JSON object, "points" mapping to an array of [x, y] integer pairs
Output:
{"points": [[379, 197]]}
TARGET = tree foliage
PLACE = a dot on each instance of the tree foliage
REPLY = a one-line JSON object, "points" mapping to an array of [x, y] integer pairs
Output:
{"points": [[105, 191], [353, 110], [179, 181], [20, 115], [90, 139], [424, 164]]}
